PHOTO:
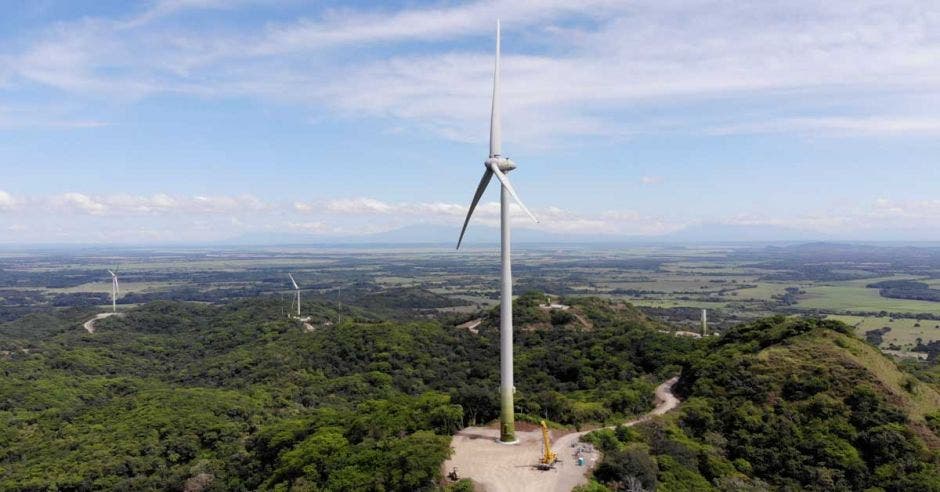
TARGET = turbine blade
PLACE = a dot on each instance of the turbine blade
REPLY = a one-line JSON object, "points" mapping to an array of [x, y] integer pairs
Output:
{"points": [[487, 176], [292, 281], [112, 273], [506, 184], [117, 286], [495, 124]]}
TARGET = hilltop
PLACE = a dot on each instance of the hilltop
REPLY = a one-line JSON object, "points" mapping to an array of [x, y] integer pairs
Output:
{"points": [[531, 311], [795, 404]]}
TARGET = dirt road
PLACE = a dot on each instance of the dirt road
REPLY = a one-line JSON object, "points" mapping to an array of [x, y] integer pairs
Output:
{"points": [[89, 325], [499, 467]]}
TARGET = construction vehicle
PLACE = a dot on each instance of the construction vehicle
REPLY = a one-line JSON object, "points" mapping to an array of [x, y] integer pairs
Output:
{"points": [[549, 458]]}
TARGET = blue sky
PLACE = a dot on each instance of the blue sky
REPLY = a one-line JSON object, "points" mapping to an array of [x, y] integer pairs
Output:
{"points": [[201, 120]]}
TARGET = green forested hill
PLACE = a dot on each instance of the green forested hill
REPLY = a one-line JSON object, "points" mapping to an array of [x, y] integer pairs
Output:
{"points": [[788, 404], [235, 397]]}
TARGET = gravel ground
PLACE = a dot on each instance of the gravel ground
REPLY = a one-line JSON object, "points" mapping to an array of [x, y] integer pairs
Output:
{"points": [[496, 467]]}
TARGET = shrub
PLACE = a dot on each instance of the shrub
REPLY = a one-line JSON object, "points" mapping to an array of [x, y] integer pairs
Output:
{"points": [[632, 462]]}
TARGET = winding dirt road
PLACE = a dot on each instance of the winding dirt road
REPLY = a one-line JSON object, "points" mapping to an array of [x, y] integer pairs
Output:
{"points": [[496, 467], [89, 325]]}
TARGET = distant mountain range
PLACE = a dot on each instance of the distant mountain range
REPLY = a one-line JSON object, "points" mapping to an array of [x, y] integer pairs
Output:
{"points": [[436, 234], [415, 234], [489, 236], [747, 233]]}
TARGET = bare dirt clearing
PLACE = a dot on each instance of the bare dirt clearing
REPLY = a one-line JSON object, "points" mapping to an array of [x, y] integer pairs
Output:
{"points": [[495, 467]]}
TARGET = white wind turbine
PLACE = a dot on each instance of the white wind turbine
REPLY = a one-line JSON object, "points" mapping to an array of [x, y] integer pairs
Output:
{"points": [[297, 291], [115, 290], [498, 165]]}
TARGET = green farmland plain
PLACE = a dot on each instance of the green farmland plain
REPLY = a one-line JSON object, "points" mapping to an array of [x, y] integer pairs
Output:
{"points": [[904, 331], [854, 299]]}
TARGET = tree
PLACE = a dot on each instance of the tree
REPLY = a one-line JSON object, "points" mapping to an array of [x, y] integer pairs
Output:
{"points": [[315, 458], [625, 466], [416, 460]]}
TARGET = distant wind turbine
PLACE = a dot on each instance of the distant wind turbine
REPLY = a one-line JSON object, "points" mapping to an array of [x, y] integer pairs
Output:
{"points": [[115, 290], [297, 291], [339, 306], [498, 165]]}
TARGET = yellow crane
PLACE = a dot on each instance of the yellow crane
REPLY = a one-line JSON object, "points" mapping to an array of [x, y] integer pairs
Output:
{"points": [[547, 461]]}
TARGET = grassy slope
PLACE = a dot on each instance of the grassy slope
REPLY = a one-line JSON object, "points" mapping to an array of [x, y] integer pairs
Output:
{"points": [[858, 362]]}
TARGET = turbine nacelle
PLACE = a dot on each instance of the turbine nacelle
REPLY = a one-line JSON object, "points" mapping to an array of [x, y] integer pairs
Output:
{"points": [[496, 165], [504, 164]]}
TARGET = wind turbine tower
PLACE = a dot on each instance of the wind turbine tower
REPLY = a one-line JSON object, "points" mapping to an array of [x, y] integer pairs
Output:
{"points": [[115, 290], [296, 291], [497, 165], [339, 306], [704, 323]]}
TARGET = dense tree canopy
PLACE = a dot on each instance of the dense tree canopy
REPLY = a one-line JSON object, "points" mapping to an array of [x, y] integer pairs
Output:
{"points": [[794, 404], [176, 395]]}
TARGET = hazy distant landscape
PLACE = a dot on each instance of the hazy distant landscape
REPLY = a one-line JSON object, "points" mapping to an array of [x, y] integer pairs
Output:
{"points": [[735, 282]]}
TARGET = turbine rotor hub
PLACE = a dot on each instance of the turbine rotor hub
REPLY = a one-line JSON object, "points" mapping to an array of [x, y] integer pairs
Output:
{"points": [[504, 164]]}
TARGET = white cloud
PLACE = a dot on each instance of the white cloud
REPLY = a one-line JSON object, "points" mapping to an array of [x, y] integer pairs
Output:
{"points": [[39, 116], [916, 209], [78, 202], [622, 216], [840, 126], [552, 219], [349, 27], [561, 78], [78, 216], [142, 205], [358, 206], [362, 206], [303, 207], [651, 180], [225, 204], [7, 202]]}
